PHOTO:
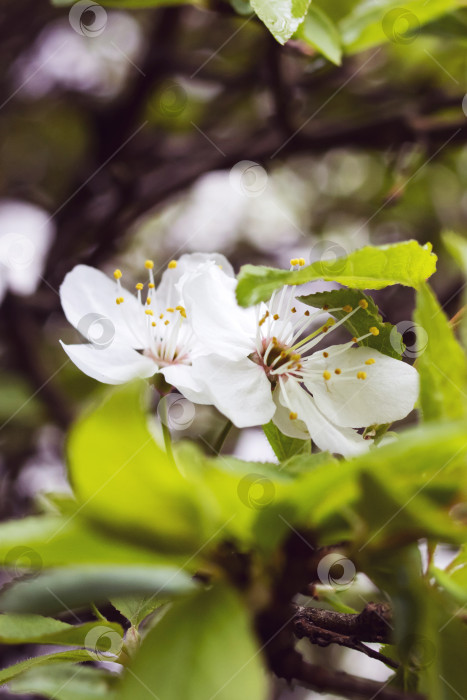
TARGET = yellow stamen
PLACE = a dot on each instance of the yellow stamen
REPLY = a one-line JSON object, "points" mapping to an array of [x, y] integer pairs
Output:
{"points": [[292, 415], [149, 264], [169, 308], [148, 312], [166, 323], [326, 375], [151, 285], [325, 354], [294, 262], [347, 308], [139, 286], [276, 317], [153, 323], [374, 331], [295, 357], [117, 274], [301, 262], [172, 265], [161, 316], [337, 371], [148, 301], [370, 361], [326, 307], [293, 310], [354, 339], [361, 375], [363, 303], [182, 310], [307, 313]]}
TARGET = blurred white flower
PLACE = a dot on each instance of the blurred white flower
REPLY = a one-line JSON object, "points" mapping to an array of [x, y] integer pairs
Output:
{"points": [[26, 234]]}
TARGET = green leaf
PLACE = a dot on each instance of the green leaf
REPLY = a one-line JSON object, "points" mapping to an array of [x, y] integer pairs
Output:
{"points": [[125, 481], [78, 655], [137, 608], [285, 447], [320, 32], [70, 588], [370, 24], [389, 340], [182, 656], [66, 682], [442, 363], [44, 541], [281, 17], [36, 629], [406, 263], [457, 247]]}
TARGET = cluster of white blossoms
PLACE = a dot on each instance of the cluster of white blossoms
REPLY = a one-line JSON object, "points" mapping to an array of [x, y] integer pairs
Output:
{"points": [[254, 364]]}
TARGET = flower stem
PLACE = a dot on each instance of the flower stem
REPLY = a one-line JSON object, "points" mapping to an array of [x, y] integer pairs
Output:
{"points": [[222, 437], [167, 441]]}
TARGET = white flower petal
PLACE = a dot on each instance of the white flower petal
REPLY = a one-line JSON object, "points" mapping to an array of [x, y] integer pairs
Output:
{"points": [[388, 393], [292, 428], [115, 364], [224, 327], [87, 294], [323, 432], [239, 389], [168, 293], [185, 379]]}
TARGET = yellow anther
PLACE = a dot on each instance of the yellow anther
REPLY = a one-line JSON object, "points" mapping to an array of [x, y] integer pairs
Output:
{"points": [[276, 317], [307, 313], [295, 357], [151, 285], [169, 308], [161, 316], [370, 361], [294, 262], [354, 339], [363, 303], [117, 274], [148, 301], [166, 323], [337, 371], [139, 286], [274, 340], [325, 307], [148, 312], [330, 322], [153, 323], [172, 265], [293, 415], [374, 331], [347, 308], [325, 354], [182, 310], [293, 310], [283, 353], [326, 375], [117, 300], [361, 375], [301, 262], [149, 264]]}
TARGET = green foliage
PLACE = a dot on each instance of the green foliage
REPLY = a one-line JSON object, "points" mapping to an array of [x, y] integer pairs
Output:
{"points": [[285, 447], [389, 340], [320, 32], [281, 17], [406, 263], [183, 658], [69, 588], [36, 629], [47, 659], [66, 682], [442, 362]]}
